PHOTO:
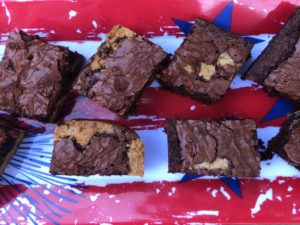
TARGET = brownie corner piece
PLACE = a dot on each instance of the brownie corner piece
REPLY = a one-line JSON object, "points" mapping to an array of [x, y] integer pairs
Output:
{"points": [[287, 142], [10, 139], [92, 147], [219, 148], [277, 67], [205, 64], [35, 76], [121, 69]]}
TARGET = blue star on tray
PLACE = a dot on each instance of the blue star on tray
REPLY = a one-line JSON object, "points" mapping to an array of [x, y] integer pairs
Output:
{"points": [[222, 20], [281, 108], [232, 182]]}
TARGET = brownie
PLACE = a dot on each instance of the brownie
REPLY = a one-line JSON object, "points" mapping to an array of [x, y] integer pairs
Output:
{"points": [[278, 66], [10, 138], [35, 76], [206, 62], [287, 142], [207, 147], [91, 147], [122, 68]]}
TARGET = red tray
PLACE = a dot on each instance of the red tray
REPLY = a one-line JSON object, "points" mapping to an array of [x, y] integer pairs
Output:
{"points": [[30, 195]]}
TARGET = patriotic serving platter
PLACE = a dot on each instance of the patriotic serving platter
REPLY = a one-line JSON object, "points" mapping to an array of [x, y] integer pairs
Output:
{"points": [[29, 194]]}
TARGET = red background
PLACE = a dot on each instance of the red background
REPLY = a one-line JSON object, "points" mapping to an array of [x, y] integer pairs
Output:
{"points": [[139, 202]]}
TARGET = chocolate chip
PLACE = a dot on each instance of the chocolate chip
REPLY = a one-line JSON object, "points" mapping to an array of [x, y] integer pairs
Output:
{"points": [[27, 38], [10, 65], [106, 50], [30, 57], [121, 84], [236, 54]]}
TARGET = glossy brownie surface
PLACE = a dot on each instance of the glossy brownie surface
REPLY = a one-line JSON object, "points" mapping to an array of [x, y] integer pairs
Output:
{"points": [[121, 69], [90, 147], [34, 75], [206, 63], [207, 147]]}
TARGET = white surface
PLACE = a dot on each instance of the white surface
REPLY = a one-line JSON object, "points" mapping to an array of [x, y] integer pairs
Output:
{"points": [[72, 14], [155, 141], [260, 200], [156, 164]]}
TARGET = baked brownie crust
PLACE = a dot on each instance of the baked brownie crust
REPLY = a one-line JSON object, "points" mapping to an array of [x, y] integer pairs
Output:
{"points": [[285, 79], [287, 142], [10, 138], [90, 147], [277, 68], [227, 147], [121, 69], [206, 62], [35, 75]]}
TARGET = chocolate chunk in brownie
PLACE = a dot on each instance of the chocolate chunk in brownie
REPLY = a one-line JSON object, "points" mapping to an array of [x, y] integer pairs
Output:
{"points": [[287, 142], [220, 148], [35, 76], [10, 138], [121, 69], [90, 147], [278, 66], [206, 62]]}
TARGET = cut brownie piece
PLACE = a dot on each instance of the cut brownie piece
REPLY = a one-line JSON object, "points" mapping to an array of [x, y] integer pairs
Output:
{"points": [[121, 69], [34, 76], [278, 66], [287, 142], [10, 138], [221, 148], [91, 147], [206, 62]]}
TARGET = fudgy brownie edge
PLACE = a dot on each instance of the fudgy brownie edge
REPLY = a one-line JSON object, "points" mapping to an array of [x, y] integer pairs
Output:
{"points": [[10, 139], [174, 157], [277, 143], [205, 64], [275, 53]]}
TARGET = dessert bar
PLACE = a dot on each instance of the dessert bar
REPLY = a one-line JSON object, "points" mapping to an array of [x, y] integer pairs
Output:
{"points": [[119, 72], [35, 76], [206, 62], [278, 66], [207, 147], [91, 147]]}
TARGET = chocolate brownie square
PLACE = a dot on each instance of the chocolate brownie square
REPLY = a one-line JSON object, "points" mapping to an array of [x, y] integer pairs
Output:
{"points": [[122, 68], [10, 138], [278, 66], [92, 147], [35, 76], [207, 147], [287, 142], [206, 62]]}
